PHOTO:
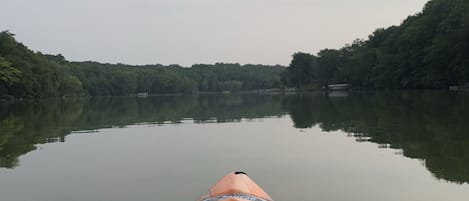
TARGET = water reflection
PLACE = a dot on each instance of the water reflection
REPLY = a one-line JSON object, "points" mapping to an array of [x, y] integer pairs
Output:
{"points": [[431, 126], [25, 124]]}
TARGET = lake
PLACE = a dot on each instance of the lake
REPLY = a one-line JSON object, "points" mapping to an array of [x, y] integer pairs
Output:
{"points": [[387, 146]]}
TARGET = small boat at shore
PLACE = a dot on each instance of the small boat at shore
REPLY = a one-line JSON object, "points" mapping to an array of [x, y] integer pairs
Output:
{"points": [[236, 186]]}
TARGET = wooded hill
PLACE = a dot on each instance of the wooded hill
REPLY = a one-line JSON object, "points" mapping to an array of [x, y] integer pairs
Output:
{"points": [[428, 50], [28, 74]]}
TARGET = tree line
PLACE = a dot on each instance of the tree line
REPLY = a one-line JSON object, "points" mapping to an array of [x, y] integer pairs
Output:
{"points": [[28, 74], [428, 50]]}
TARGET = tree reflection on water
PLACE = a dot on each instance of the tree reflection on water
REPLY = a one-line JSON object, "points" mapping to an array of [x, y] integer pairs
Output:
{"points": [[431, 126]]}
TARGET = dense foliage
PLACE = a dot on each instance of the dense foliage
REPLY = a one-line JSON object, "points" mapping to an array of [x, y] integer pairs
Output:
{"points": [[28, 74], [428, 50], [234, 77], [24, 73], [119, 79]]}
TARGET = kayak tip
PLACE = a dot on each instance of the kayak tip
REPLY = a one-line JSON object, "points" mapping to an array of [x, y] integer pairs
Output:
{"points": [[236, 186]]}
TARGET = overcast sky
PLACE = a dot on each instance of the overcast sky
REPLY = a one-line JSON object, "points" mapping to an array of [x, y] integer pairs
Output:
{"points": [[196, 31]]}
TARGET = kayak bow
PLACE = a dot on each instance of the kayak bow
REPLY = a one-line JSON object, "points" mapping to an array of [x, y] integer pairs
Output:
{"points": [[236, 186]]}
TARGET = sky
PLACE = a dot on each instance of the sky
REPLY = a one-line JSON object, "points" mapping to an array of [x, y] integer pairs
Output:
{"points": [[190, 32]]}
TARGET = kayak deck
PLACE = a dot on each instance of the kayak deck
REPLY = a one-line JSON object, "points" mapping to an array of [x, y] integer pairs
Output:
{"points": [[236, 186]]}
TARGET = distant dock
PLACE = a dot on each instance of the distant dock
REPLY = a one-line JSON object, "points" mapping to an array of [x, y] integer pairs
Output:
{"points": [[142, 95], [338, 87], [460, 88]]}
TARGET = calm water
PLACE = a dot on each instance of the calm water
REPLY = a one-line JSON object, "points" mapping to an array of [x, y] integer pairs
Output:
{"points": [[411, 146]]}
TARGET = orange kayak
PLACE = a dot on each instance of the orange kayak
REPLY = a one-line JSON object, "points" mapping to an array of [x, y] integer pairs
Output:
{"points": [[236, 186]]}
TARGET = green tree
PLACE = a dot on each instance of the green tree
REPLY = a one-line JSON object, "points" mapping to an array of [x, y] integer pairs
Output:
{"points": [[71, 86], [8, 76], [302, 69], [328, 62], [427, 50]]}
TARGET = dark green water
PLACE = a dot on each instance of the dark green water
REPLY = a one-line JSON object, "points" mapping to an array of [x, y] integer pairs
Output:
{"points": [[365, 146]]}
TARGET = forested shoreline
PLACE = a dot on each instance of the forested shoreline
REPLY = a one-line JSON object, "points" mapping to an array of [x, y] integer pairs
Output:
{"points": [[28, 74], [428, 50]]}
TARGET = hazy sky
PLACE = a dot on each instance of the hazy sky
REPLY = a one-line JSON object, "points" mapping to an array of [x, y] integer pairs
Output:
{"points": [[196, 31]]}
